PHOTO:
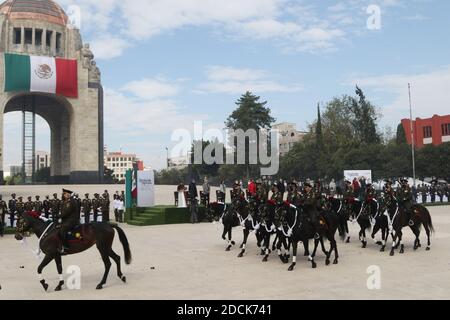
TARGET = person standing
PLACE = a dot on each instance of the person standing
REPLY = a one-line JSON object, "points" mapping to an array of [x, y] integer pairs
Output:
{"points": [[3, 210], [181, 189], [206, 190], [86, 206], [193, 192], [12, 206], [96, 204], [105, 205], [120, 208], [46, 207], [332, 188], [222, 192], [29, 205], [55, 204], [38, 205], [252, 188]]}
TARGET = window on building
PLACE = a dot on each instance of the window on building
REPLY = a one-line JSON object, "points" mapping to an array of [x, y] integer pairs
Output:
{"points": [[28, 36], [58, 41], [17, 35], [427, 132], [38, 37], [109, 159], [48, 40], [446, 129]]}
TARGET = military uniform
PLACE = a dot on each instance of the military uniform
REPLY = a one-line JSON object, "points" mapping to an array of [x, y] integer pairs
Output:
{"points": [[261, 194], [104, 203], [29, 205], [12, 206], [55, 205], [277, 196], [433, 193], [96, 203], [86, 204], [70, 218], [46, 206], [3, 210], [38, 205], [404, 197], [20, 206], [310, 207]]}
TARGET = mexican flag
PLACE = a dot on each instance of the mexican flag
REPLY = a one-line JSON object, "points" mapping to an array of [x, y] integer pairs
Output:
{"points": [[41, 74]]}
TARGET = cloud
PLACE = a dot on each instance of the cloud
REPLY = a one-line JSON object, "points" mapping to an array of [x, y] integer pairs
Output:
{"points": [[108, 48], [150, 89], [430, 93], [230, 80]]}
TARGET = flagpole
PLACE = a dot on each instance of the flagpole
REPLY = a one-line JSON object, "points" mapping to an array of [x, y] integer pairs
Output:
{"points": [[412, 136]]}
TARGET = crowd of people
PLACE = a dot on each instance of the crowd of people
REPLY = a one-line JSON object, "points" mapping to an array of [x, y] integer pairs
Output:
{"points": [[89, 209]]}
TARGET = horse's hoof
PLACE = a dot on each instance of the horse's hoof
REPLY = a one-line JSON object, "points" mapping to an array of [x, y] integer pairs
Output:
{"points": [[428, 249], [382, 249], [265, 259], [99, 287], [242, 246], [364, 245], [233, 243], [124, 279], [262, 253], [327, 262], [348, 240], [335, 261], [291, 268], [59, 287], [228, 249], [379, 243], [241, 255], [44, 285], [306, 254], [314, 265], [402, 251], [392, 253]]}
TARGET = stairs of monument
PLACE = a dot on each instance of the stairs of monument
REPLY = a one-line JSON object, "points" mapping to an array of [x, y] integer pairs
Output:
{"points": [[161, 215]]}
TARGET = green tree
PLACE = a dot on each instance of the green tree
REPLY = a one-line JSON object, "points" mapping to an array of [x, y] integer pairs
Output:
{"points": [[401, 135], [43, 175], [251, 113]]}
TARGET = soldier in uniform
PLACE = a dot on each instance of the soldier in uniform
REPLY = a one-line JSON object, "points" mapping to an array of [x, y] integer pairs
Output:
{"points": [[433, 191], [277, 196], [69, 216], [20, 206], [261, 194], [348, 195], [310, 206], [29, 205], [105, 207], [55, 205], [96, 203], [294, 195], [441, 192], [12, 206], [237, 194], [38, 205], [405, 199], [86, 205], [371, 195], [46, 206], [3, 210]]}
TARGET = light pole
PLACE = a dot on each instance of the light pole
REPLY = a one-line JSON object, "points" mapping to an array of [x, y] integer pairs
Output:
{"points": [[412, 136], [168, 161]]}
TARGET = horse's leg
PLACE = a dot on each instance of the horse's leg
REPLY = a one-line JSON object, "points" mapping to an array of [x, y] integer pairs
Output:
{"points": [[280, 243], [336, 253], [116, 259], [311, 258], [384, 238], [274, 244], [59, 267], [266, 245], [347, 232], [306, 246], [105, 257], [228, 232], [244, 244], [327, 253], [427, 230], [294, 255], [224, 233], [400, 239], [416, 232], [44, 263], [394, 240], [287, 248]]}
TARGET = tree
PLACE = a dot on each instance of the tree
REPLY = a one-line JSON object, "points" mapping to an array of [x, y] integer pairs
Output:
{"points": [[205, 169], [319, 134], [250, 114], [43, 175], [108, 177], [401, 135]]}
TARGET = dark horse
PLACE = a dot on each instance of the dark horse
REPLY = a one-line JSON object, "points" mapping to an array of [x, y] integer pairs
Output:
{"points": [[381, 223], [226, 215], [249, 220], [398, 219], [302, 230], [343, 212], [367, 213], [86, 236]]}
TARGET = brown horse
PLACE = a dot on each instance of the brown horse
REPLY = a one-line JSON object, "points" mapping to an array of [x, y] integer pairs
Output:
{"points": [[83, 238]]}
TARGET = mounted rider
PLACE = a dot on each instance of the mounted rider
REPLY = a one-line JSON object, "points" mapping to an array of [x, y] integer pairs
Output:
{"points": [[293, 194], [237, 195], [310, 207], [70, 217], [371, 195], [348, 195], [405, 199], [261, 193]]}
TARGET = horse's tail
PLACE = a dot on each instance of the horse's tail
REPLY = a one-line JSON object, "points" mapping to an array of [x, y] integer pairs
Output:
{"points": [[428, 221], [125, 244]]}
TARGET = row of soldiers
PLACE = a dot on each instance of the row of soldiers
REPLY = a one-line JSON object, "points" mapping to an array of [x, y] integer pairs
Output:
{"points": [[434, 191], [51, 208]]}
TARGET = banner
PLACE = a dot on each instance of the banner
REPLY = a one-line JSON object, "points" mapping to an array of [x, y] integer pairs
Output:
{"points": [[146, 189], [358, 174]]}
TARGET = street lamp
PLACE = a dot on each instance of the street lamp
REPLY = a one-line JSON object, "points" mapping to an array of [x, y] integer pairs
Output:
{"points": [[168, 161], [412, 136]]}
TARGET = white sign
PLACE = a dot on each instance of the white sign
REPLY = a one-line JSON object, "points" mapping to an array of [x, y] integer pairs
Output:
{"points": [[145, 189], [358, 174]]}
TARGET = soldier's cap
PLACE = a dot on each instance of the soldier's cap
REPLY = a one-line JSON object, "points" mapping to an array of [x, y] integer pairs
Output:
{"points": [[67, 191], [13, 195], [86, 194], [308, 185], [388, 181], [403, 180], [29, 198], [38, 197], [55, 194], [21, 198], [47, 197]]}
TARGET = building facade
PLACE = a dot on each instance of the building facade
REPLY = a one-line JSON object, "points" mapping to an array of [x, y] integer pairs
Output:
{"points": [[433, 131], [42, 160], [120, 163], [289, 136]]}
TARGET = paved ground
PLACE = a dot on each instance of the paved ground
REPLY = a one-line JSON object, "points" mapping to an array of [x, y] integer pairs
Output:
{"points": [[190, 263]]}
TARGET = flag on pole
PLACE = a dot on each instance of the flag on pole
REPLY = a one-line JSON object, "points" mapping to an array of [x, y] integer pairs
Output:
{"points": [[134, 189], [41, 74]]}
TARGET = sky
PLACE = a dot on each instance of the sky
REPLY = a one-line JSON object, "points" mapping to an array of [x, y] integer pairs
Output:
{"points": [[168, 63]]}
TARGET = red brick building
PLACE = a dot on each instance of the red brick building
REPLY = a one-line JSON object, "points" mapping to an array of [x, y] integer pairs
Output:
{"points": [[433, 131]]}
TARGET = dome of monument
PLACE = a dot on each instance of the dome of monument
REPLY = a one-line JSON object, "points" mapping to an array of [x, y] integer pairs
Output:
{"points": [[39, 10]]}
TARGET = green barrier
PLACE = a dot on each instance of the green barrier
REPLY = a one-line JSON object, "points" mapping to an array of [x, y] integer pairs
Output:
{"points": [[161, 215]]}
